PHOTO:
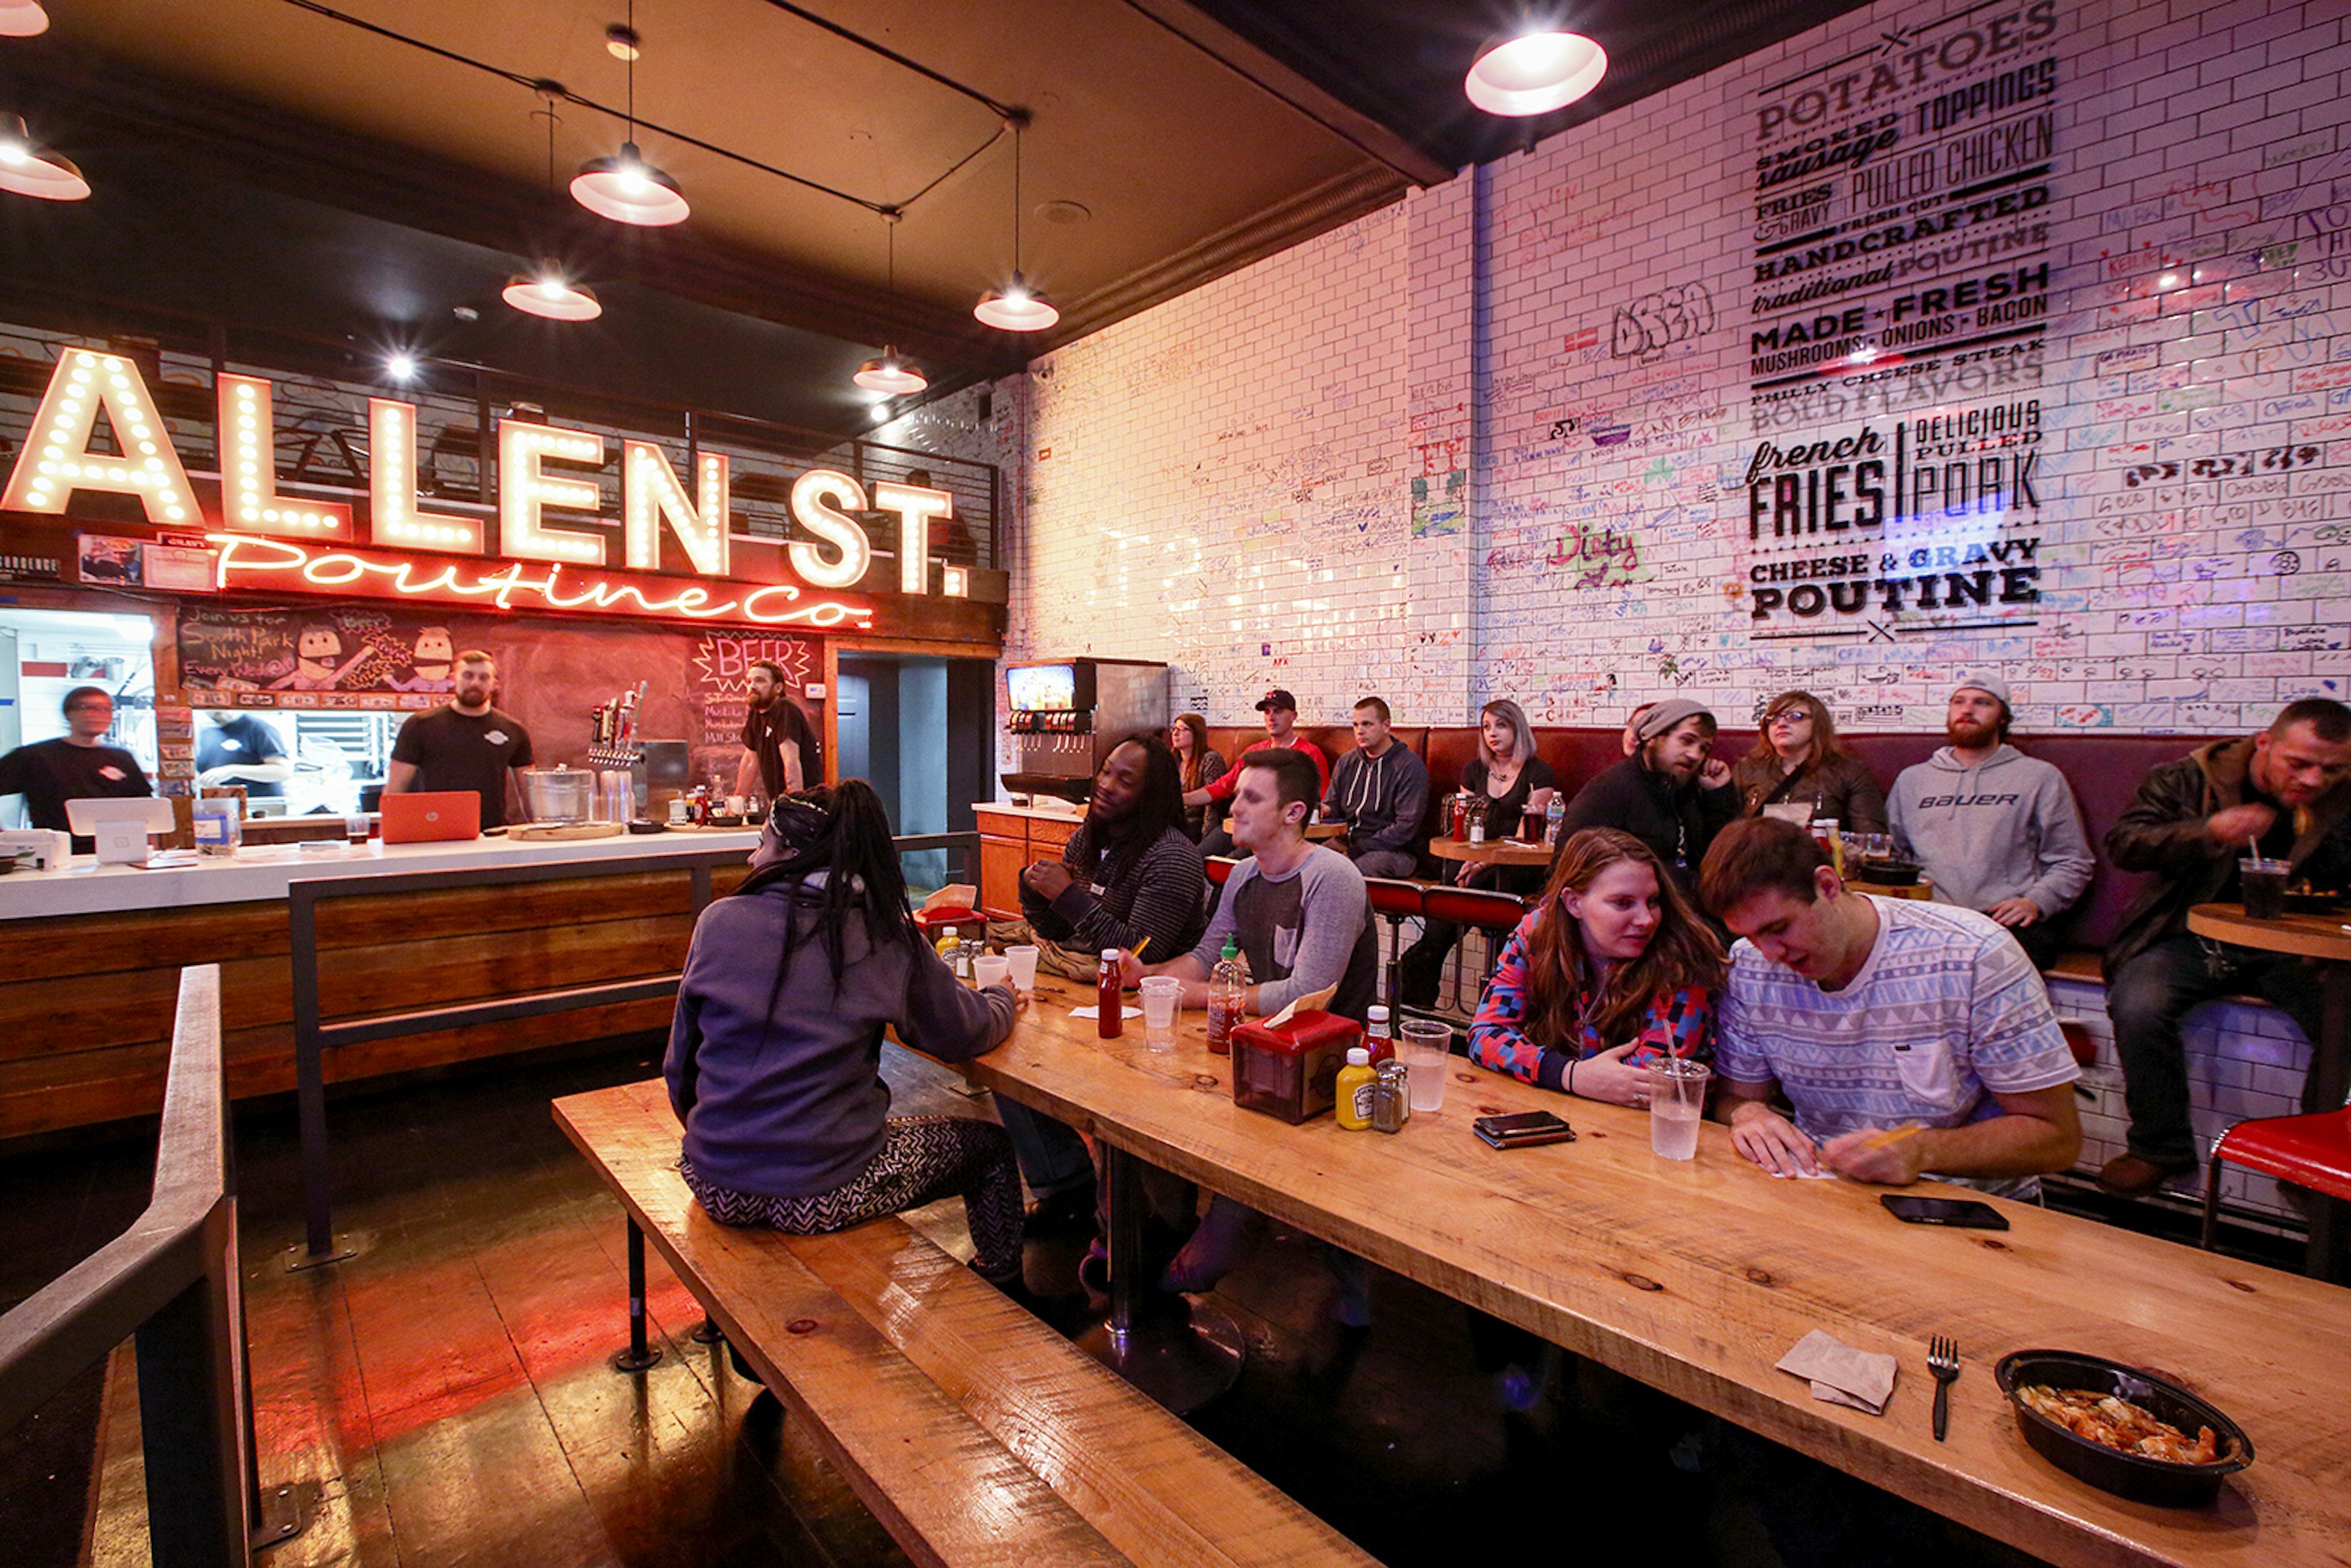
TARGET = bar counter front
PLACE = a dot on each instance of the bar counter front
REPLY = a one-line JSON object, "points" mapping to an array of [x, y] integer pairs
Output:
{"points": [[91, 954]]}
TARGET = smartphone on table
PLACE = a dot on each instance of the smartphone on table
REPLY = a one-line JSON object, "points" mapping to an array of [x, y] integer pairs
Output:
{"points": [[1523, 1130], [1963, 1212]]}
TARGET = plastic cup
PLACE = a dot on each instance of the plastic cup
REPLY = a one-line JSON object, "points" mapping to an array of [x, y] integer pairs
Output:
{"points": [[1426, 1051], [991, 969], [1023, 960], [1161, 996], [2264, 884], [1677, 1103]]}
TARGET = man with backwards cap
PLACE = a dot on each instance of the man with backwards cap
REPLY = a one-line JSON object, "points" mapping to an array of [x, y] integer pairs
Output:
{"points": [[1280, 711], [1996, 830], [1672, 793]]}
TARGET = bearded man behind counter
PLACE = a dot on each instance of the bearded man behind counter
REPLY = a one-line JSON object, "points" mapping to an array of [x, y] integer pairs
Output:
{"points": [[779, 747], [465, 743]]}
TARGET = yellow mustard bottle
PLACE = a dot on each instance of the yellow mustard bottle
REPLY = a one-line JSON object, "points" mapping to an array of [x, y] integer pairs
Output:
{"points": [[1355, 1084]]}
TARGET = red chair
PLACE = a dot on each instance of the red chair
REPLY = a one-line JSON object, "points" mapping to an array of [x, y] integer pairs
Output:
{"points": [[2311, 1151], [1395, 901], [1219, 868], [1496, 914]]}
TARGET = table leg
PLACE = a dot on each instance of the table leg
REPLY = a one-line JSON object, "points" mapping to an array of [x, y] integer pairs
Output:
{"points": [[1181, 1358], [2330, 1071]]}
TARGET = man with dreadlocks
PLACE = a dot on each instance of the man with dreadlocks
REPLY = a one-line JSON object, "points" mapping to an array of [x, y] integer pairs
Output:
{"points": [[775, 1051]]}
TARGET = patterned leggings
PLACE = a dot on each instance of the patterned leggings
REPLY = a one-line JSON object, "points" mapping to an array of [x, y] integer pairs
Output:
{"points": [[923, 1160]]}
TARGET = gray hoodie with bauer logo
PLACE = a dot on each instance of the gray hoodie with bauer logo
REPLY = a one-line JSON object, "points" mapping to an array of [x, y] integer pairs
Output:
{"points": [[2006, 828]]}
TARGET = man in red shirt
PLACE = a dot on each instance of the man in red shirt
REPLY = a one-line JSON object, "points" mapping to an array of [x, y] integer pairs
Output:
{"points": [[1280, 710]]}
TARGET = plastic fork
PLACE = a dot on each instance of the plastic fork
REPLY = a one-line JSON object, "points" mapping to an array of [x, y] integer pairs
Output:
{"points": [[1943, 1361]]}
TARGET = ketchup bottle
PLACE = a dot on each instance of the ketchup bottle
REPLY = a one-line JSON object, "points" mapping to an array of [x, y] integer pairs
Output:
{"points": [[1110, 993]]}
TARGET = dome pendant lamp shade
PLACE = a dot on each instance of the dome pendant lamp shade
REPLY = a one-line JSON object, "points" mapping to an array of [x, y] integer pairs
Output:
{"points": [[22, 19], [891, 376], [549, 295], [30, 171], [1536, 73], [1016, 307], [628, 189], [1013, 308]]}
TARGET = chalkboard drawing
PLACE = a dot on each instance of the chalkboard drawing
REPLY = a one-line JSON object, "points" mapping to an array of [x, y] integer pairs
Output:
{"points": [[428, 665], [315, 651]]}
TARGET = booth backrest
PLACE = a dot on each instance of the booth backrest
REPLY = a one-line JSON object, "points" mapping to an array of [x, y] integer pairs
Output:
{"points": [[2104, 771]]}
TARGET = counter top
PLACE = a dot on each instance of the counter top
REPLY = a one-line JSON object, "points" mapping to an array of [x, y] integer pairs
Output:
{"points": [[1068, 815], [255, 875]]}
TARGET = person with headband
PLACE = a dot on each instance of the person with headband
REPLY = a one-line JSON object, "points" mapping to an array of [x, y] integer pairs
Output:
{"points": [[774, 1061]]}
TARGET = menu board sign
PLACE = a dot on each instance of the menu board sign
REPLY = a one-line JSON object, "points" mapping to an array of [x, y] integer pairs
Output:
{"points": [[332, 656]]}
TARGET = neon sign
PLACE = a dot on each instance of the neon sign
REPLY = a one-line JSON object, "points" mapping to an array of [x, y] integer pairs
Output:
{"points": [[58, 461], [264, 565]]}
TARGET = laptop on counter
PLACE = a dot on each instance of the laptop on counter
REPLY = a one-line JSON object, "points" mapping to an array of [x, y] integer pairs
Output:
{"points": [[431, 815]]}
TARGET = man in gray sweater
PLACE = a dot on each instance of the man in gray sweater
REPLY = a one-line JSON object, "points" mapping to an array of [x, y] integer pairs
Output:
{"points": [[1996, 830], [1380, 791]]}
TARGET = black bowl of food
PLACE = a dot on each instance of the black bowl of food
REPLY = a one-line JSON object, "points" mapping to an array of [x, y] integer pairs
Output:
{"points": [[1890, 872], [2314, 900], [2121, 1429]]}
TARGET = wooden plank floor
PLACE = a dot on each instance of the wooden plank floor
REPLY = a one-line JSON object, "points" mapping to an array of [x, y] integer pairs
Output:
{"points": [[443, 1396]]}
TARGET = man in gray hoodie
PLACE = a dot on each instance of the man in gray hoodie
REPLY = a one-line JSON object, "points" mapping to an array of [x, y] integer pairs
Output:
{"points": [[1380, 791], [1996, 830]]}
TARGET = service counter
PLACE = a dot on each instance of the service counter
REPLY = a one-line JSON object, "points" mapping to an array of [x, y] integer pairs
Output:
{"points": [[90, 957]]}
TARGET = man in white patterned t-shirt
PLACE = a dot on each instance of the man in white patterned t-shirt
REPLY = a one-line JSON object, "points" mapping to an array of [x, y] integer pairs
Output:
{"points": [[1912, 1038]]}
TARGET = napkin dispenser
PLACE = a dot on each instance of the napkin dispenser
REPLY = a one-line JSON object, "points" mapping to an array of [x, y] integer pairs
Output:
{"points": [[1289, 1067]]}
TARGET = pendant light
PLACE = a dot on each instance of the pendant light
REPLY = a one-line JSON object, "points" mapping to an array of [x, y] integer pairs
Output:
{"points": [[22, 18], [547, 292], [1536, 73], [625, 187], [33, 171], [1016, 307], [890, 375]]}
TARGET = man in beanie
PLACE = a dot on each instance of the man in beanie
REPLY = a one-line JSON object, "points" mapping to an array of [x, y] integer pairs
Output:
{"points": [[1672, 793], [1996, 830]]}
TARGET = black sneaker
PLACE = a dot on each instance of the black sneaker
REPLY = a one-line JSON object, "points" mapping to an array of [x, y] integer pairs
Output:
{"points": [[1067, 1213]]}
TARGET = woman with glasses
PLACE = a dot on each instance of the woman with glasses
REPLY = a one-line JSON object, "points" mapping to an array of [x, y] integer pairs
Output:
{"points": [[1799, 764]]}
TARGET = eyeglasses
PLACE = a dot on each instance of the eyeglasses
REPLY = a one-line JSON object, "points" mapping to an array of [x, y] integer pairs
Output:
{"points": [[1789, 715], [90, 707]]}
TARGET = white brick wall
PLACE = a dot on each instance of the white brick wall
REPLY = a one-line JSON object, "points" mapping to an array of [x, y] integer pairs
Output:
{"points": [[1228, 482]]}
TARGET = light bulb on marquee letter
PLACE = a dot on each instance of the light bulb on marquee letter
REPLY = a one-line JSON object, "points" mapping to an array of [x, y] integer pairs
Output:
{"points": [[916, 507], [56, 459], [651, 495], [522, 490], [817, 496], [393, 516], [250, 499]]}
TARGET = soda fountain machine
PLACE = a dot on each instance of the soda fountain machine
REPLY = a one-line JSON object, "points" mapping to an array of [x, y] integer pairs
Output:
{"points": [[1065, 717]]}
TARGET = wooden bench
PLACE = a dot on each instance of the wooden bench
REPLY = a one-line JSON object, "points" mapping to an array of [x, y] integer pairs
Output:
{"points": [[975, 1433]]}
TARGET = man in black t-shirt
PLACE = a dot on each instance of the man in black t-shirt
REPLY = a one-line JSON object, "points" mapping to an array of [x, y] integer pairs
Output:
{"points": [[780, 755], [466, 745], [242, 748], [76, 766]]}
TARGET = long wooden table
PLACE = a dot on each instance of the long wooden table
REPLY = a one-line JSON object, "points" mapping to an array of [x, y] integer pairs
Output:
{"points": [[1696, 1278]]}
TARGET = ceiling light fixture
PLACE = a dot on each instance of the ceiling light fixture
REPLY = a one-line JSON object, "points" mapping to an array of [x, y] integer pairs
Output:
{"points": [[401, 366], [890, 375], [22, 18], [621, 42], [1535, 73], [1016, 307], [33, 171], [625, 187], [548, 293]]}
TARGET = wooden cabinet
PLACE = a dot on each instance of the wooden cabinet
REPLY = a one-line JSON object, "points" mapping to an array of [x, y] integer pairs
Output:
{"points": [[1010, 838]]}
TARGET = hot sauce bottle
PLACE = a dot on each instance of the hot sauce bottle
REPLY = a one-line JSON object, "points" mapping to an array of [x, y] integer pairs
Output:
{"points": [[1110, 996]]}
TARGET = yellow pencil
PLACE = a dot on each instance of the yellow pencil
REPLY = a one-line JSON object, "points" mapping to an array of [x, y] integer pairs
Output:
{"points": [[1888, 1137], [1139, 946]]}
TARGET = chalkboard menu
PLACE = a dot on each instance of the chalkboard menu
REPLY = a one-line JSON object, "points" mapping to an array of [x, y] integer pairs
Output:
{"points": [[333, 656]]}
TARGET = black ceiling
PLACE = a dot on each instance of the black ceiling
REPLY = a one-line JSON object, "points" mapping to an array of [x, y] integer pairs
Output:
{"points": [[221, 198], [1402, 62]]}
